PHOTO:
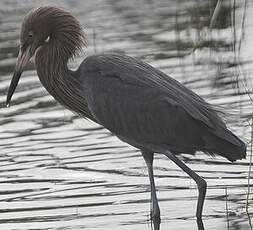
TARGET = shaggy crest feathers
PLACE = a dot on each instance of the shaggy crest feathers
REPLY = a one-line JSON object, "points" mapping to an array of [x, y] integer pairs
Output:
{"points": [[64, 31]]}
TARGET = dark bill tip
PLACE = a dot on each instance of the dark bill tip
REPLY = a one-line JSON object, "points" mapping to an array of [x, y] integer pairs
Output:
{"points": [[13, 85], [23, 58]]}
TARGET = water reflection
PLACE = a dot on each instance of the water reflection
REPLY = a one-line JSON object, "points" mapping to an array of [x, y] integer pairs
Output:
{"points": [[62, 172]]}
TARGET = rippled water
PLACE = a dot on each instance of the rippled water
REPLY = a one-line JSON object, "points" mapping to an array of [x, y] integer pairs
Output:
{"points": [[58, 171]]}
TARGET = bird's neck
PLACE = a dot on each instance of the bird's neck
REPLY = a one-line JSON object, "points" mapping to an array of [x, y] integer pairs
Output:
{"points": [[62, 83]]}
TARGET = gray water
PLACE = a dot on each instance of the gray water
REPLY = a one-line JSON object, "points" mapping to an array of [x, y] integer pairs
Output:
{"points": [[58, 171]]}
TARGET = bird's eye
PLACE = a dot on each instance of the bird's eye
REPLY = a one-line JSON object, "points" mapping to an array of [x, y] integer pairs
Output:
{"points": [[30, 34]]}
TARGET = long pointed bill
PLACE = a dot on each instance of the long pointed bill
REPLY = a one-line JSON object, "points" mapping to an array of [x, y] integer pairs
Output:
{"points": [[23, 58]]}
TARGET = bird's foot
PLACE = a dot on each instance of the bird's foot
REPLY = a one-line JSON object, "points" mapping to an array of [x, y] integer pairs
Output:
{"points": [[155, 218], [200, 224]]}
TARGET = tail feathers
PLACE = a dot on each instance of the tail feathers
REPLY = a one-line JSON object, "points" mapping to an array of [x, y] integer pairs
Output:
{"points": [[228, 146]]}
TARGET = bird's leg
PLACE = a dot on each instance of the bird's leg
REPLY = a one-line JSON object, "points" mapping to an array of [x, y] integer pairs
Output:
{"points": [[199, 180], [155, 210]]}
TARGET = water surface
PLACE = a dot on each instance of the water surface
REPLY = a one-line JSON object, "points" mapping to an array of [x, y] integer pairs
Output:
{"points": [[58, 171]]}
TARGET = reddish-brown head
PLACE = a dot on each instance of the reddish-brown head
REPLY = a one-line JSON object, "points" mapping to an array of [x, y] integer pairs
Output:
{"points": [[47, 29]]}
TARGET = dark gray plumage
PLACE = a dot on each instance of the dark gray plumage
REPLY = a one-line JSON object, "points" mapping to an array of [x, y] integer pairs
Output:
{"points": [[141, 105], [148, 109]]}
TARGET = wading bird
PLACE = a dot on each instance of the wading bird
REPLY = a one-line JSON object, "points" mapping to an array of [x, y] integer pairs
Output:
{"points": [[141, 105]]}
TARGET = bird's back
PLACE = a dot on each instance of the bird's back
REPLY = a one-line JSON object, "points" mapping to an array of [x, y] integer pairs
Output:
{"points": [[148, 109]]}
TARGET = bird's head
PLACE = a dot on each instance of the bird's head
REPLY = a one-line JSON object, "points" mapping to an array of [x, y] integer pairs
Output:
{"points": [[50, 31]]}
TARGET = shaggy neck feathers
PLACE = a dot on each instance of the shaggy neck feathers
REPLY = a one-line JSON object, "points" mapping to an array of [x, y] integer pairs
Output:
{"points": [[62, 39]]}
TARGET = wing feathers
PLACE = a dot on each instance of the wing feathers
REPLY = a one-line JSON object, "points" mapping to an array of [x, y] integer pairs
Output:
{"points": [[134, 100]]}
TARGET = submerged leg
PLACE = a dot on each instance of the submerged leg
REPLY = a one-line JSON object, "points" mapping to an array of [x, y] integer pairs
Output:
{"points": [[155, 210], [199, 180]]}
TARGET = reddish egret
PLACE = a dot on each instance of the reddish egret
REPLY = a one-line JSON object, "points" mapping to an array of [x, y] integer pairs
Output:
{"points": [[138, 103]]}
